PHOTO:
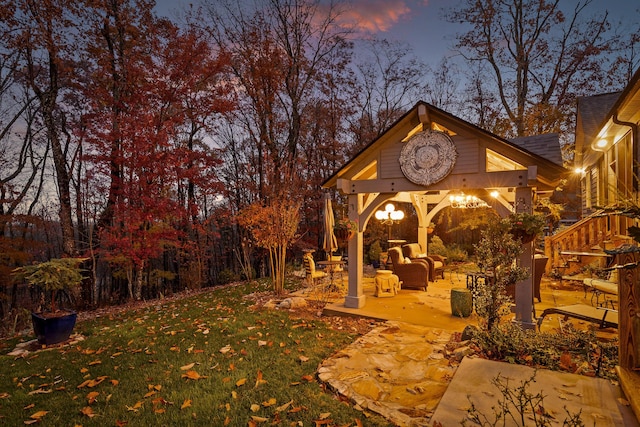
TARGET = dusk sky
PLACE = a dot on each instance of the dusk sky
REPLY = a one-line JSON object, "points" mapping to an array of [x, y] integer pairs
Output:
{"points": [[420, 23]]}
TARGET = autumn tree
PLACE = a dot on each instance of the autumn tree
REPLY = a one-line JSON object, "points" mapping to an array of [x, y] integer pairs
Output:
{"points": [[273, 226], [538, 56], [153, 91]]}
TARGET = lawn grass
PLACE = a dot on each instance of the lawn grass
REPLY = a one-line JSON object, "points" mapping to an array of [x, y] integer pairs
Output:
{"points": [[210, 360]]}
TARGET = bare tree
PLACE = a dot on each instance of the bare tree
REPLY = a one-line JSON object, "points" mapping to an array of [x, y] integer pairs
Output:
{"points": [[279, 52], [390, 79], [539, 58], [44, 37]]}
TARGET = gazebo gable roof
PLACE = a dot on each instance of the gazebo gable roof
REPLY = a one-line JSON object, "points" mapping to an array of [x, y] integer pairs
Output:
{"points": [[493, 161]]}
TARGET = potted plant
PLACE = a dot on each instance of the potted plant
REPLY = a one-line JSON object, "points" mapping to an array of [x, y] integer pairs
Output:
{"points": [[526, 226], [59, 274], [374, 253], [345, 229]]}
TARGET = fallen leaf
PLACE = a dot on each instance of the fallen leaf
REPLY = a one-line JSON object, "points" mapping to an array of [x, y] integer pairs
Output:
{"points": [[259, 380], [225, 349], [187, 367], [241, 382], [88, 411], [270, 402], [186, 404], [40, 391], [304, 358], [135, 407], [192, 375], [261, 343], [325, 415], [95, 362], [259, 419], [39, 414], [91, 397], [150, 393], [255, 408], [284, 407]]}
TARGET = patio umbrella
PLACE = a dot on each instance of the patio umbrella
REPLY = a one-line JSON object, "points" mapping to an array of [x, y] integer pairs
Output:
{"points": [[329, 241]]}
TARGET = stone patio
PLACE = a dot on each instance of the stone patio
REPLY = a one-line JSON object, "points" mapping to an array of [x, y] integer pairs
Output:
{"points": [[406, 370]]}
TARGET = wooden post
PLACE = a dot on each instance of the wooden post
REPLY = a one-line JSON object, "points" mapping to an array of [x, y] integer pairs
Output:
{"points": [[524, 289], [629, 311], [629, 328]]}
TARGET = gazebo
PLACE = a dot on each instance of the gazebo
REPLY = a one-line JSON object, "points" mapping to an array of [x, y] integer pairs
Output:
{"points": [[426, 157]]}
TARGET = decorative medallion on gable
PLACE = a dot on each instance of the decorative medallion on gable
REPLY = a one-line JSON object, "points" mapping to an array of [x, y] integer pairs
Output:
{"points": [[428, 157]]}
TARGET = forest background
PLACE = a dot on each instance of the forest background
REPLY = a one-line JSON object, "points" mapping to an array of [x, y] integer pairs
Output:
{"points": [[140, 141]]}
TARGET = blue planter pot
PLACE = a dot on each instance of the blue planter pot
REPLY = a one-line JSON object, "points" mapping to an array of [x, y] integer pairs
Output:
{"points": [[52, 330]]}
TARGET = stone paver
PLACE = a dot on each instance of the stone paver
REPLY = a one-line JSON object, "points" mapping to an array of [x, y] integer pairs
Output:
{"points": [[397, 370]]}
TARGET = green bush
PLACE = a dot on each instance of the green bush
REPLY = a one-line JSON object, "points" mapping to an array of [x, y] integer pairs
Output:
{"points": [[454, 253], [374, 251]]}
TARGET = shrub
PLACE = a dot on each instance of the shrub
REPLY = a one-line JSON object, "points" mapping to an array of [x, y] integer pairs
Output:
{"points": [[453, 253], [496, 253], [567, 349], [374, 251]]}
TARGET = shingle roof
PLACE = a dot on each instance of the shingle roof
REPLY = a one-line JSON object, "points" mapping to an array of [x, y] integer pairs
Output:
{"points": [[547, 146], [592, 110]]}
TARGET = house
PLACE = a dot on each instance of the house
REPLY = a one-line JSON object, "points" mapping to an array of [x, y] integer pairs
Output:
{"points": [[606, 159]]}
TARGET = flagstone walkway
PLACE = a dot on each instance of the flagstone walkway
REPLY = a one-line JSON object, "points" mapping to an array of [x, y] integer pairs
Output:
{"points": [[397, 370]]}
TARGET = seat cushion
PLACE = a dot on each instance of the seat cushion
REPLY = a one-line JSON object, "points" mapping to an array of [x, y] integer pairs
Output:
{"points": [[437, 264]]}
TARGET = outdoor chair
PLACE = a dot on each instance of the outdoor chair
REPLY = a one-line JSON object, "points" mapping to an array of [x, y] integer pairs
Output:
{"points": [[602, 287], [414, 251], [310, 270], [411, 274]]}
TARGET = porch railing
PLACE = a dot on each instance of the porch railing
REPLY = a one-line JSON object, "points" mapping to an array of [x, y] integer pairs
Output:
{"points": [[591, 234]]}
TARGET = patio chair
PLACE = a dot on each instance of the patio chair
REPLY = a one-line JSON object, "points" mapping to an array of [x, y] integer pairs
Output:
{"points": [[310, 269], [414, 251], [411, 274], [604, 317], [602, 288]]}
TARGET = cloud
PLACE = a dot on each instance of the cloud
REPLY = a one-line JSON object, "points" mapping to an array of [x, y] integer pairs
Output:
{"points": [[375, 16]]}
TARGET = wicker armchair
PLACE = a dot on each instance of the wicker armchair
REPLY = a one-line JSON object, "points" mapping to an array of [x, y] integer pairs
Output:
{"points": [[413, 251], [412, 274]]}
